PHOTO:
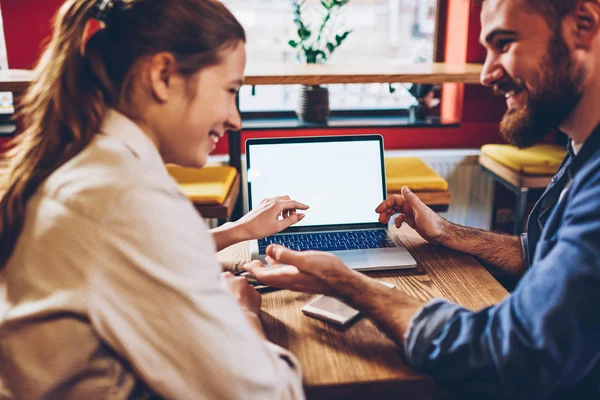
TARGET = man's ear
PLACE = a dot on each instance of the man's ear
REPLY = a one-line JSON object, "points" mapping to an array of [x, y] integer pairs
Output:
{"points": [[586, 23], [161, 73]]}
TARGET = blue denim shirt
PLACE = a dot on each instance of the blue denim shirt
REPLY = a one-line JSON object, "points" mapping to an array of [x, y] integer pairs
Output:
{"points": [[543, 340]]}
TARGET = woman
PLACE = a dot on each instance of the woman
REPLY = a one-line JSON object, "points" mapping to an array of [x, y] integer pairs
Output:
{"points": [[109, 284]]}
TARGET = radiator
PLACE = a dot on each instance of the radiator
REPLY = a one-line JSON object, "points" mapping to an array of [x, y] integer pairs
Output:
{"points": [[471, 189]]}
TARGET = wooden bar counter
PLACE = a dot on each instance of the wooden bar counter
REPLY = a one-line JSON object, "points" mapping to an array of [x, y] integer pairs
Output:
{"points": [[323, 74], [15, 80], [359, 361], [302, 74]]}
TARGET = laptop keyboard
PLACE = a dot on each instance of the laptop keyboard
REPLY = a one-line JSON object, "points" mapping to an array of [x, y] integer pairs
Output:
{"points": [[330, 241]]}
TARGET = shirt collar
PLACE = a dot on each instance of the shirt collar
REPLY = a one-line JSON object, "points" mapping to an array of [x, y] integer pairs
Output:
{"points": [[120, 127], [590, 146]]}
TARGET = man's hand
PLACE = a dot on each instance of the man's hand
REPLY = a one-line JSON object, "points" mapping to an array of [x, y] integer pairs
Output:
{"points": [[271, 216], [318, 272], [310, 271], [502, 251], [415, 213]]}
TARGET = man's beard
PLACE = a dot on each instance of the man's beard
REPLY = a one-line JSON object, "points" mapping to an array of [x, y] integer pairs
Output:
{"points": [[560, 92]]}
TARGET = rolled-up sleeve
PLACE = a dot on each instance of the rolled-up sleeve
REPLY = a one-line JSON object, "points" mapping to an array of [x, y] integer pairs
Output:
{"points": [[542, 339]]}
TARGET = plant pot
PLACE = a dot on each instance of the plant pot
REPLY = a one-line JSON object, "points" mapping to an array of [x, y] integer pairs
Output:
{"points": [[419, 112], [313, 104]]}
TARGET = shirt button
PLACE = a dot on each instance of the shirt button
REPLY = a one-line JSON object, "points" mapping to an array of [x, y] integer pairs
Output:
{"points": [[554, 178]]}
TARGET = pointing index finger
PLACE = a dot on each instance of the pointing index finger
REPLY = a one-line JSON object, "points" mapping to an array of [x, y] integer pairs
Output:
{"points": [[391, 203], [292, 205]]}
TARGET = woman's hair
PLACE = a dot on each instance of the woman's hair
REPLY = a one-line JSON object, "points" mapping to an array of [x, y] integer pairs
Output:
{"points": [[71, 90]]}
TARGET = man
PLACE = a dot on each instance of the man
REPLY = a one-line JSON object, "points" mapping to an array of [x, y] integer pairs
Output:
{"points": [[542, 340]]}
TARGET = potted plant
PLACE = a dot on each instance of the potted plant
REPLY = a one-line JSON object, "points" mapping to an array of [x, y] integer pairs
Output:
{"points": [[315, 45], [424, 95]]}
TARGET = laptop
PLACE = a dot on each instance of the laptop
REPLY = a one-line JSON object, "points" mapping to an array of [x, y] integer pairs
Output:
{"points": [[342, 180]]}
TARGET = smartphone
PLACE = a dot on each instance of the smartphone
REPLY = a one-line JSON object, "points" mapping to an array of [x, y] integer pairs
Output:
{"points": [[330, 309]]}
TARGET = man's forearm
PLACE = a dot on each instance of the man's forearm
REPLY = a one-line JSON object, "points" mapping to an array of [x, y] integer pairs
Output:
{"points": [[501, 251], [391, 310]]}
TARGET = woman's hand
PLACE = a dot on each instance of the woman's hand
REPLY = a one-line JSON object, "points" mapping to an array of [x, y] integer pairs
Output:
{"points": [[270, 217], [247, 297], [245, 294]]}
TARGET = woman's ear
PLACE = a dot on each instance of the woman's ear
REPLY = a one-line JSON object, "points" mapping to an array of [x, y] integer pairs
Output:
{"points": [[586, 23], [162, 71]]}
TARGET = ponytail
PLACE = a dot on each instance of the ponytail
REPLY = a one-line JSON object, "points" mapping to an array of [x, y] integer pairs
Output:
{"points": [[61, 111], [66, 103]]}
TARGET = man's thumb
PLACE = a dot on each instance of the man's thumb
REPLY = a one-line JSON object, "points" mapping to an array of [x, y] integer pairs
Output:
{"points": [[411, 198], [283, 255]]}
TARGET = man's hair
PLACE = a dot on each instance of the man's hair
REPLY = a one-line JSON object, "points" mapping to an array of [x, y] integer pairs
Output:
{"points": [[553, 11]]}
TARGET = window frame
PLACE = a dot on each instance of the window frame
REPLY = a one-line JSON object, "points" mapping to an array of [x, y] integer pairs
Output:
{"points": [[439, 38]]}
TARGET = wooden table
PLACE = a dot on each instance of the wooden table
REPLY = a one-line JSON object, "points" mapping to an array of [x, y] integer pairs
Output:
{"points": [[360, 361]]}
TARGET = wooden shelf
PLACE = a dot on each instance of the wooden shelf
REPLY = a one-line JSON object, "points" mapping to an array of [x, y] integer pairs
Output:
{"points": [[15, 80], [300, 74], [296, 74]]}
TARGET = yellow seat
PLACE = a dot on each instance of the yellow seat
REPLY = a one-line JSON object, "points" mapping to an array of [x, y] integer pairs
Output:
{"points": [[521, 171], [208, 185], [431, 188], [212, 189], [543, 159], [414, 173]]}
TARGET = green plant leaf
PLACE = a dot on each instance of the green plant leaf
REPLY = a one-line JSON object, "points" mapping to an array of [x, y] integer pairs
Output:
{"points": [[314, 47], [340, 3], [304, 33], [340, 38], [324, 4]]}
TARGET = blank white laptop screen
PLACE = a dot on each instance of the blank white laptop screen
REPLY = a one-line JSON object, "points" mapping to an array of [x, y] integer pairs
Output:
{"points": [[341, 181]]}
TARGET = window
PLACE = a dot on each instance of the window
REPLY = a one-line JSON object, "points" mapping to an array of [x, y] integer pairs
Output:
{"points": [[6, 100], [399, 31]]}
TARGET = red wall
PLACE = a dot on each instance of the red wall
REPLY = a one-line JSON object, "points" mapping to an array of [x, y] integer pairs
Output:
{"points": [[27, 25]]}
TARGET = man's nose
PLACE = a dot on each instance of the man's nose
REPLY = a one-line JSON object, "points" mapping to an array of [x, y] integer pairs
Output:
{"points": [[491, 73]]}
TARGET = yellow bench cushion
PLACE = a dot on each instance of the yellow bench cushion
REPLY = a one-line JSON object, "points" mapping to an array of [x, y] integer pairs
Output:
{"points": [[208, 185], [542, 159], [414, 173]]}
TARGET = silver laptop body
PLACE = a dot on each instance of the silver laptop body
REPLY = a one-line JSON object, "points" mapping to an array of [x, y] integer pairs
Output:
{"points": [[342, 179]]}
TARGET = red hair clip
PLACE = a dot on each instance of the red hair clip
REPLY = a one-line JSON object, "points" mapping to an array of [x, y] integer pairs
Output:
{"points": [[101, 13], [92, 27]]}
